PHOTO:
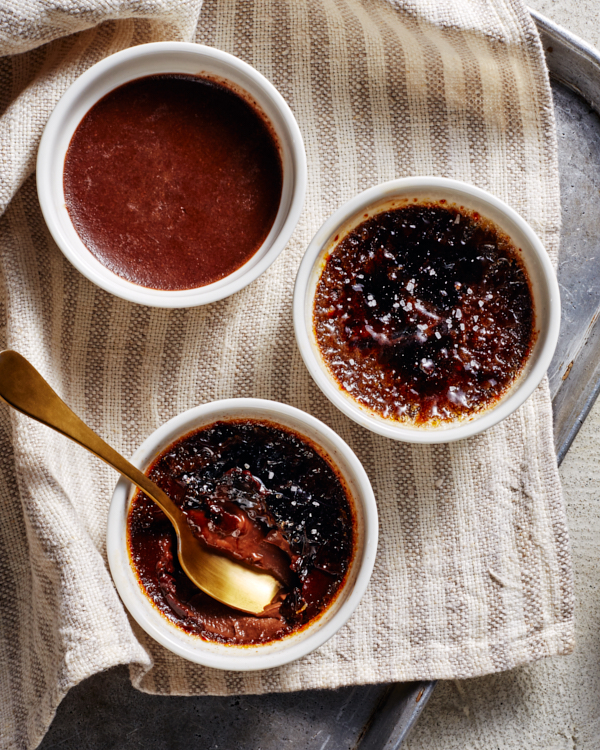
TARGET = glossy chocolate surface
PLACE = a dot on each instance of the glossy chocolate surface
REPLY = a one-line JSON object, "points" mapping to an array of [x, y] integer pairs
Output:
{"points": [[173, 181]]}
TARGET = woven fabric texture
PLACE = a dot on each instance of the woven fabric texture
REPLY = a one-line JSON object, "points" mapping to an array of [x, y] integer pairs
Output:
{"points": [[473, 572]]}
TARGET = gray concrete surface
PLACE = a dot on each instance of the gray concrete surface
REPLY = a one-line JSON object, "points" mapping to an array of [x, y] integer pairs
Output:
{"points": [[553, 704]]}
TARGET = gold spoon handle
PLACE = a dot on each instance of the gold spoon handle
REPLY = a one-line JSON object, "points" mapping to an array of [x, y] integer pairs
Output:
{"points": [[23, 388]]}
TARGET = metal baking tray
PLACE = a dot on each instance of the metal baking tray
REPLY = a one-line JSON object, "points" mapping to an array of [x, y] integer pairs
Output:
{"points": [[106, 712]]}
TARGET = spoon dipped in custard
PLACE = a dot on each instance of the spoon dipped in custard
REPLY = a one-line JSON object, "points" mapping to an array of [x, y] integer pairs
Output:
{"points": [[232, 583]]}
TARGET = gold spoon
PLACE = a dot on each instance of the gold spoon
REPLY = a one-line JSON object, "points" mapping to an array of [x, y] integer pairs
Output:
{"points": [[23, 388]]}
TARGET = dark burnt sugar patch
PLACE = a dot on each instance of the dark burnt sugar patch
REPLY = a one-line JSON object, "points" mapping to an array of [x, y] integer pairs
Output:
{"points": [[262, 495], [424, 313]]}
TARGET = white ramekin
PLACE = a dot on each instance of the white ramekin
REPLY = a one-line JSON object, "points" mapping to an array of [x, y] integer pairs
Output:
{"points": [[544, 288], [296, 645], [152, 59]]}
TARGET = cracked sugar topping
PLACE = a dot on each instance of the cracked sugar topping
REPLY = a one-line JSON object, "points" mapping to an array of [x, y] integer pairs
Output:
{"points": [[424, 313], [260, 494]]}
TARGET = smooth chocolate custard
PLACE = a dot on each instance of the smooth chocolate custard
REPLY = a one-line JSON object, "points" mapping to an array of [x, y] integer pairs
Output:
{"points": [[173, 181], [262, 495], [424, 313]]}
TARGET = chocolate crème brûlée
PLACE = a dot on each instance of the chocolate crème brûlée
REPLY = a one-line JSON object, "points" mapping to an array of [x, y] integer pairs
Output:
{"points": [[424, 314], [262, 495]]}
